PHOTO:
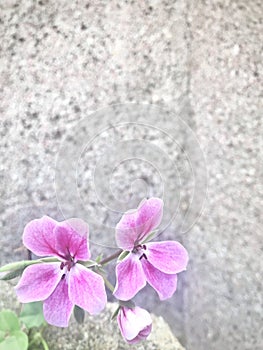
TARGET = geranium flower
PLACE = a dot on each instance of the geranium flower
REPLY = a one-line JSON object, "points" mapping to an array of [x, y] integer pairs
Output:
{"points": [[156, 262], [135, 324], [62, 284]]}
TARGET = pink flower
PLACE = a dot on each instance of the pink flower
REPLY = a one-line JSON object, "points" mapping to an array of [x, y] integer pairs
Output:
{"points": [[135, 324], [63, 284], [156, 263]]}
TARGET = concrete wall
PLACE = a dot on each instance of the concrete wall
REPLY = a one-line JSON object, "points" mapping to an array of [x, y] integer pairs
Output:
{"points": [[103, 102]]}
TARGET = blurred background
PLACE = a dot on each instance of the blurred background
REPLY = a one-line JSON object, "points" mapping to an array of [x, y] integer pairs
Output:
{"points": [[103, 103]]}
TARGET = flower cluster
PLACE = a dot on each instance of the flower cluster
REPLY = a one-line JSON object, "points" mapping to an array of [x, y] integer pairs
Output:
{"points": [[67, 277]]}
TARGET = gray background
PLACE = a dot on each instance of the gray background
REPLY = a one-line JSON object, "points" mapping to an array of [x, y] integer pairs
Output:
{"points": [[176, 66]]}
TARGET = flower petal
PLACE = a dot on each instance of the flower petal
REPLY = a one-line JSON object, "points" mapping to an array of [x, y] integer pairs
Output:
{"points": [[164, 284], [130, 277], [133, 322], [135, 225], [38, 282], [39, 236], [57, 308], [72, 238], [86, 289], [141, 336], [169, 257]]}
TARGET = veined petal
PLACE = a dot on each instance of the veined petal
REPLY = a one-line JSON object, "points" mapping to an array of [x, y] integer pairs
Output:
{"points": [[164, 284], [129, 277], [136, 224], [169, 257], [72, 238], [39, 236], [134, 321], [57, 308], [86, 289], [38, 282]]}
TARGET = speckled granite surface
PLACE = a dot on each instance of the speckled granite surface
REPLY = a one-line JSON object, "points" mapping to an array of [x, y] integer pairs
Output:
{"points": [[200, 62], [225, 295]]}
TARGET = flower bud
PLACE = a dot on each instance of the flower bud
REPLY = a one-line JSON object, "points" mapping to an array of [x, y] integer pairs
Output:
{"points": [[135, 324]]}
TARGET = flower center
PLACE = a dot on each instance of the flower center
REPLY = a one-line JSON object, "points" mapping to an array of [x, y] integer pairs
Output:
{"points": [[69, 263], [139, 249]]}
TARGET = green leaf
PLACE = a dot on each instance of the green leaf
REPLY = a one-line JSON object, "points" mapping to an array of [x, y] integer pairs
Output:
{"points": [[149, 237], [123, 255], [99, 258], [23, 264], [16, 265], [12, 274], [32, 315], [115, 313], [16, 341], [2, 335], [79, 314], [9, 321]]}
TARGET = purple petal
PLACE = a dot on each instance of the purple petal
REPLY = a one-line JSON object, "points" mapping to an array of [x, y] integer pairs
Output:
{"points": [[135, 324], [169, 257], [86, 289], [57, 308], [130, 277], [141, 336], [72, 238], [38, 282], [135, 225], [164, 284], [39, 236]]}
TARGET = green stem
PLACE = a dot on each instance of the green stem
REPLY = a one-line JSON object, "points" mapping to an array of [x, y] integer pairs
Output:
{"points": [[36, 339], [111, 257], [107, 282], [45, 346]]}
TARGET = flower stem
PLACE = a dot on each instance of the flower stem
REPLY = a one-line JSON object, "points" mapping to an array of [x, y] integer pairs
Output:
{"points": [[111, 257], [37, 338], [108, 284], [44, 343]]}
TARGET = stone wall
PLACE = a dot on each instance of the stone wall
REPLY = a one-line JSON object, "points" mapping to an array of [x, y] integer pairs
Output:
{"points": [[154, 98]]}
